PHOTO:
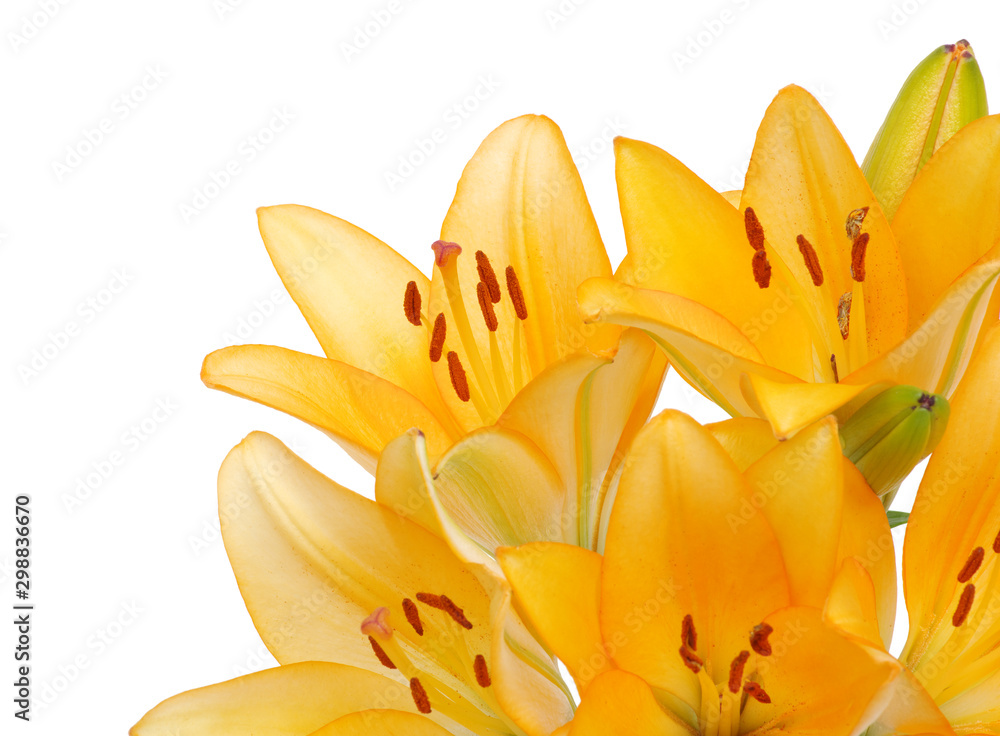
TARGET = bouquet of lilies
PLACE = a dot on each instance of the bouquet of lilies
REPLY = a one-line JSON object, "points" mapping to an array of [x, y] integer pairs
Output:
{"points": [[541, 556]]}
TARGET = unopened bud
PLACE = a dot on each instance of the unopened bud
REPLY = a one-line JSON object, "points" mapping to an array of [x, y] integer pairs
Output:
{"points": [[893, 432], [944, 93]]}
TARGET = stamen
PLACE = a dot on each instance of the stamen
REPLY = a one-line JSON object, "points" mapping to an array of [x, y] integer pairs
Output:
{"points": [[411, 303], [996, 544], [811, 259], [488, 276], [458, 380], [758, 639], [853, 225], [755, 231], [964, 605], [514, 290], [858, 251], [691, 660], [413, 616], [437, 337], [755, 691], [377, 624], [486, 306], [380, 653], [844, 313], [971, 565], [736, 671], [761, 269], [482, 673], [443, 251], [689, 637], [420, 698], [833, 364], [446, 604]]}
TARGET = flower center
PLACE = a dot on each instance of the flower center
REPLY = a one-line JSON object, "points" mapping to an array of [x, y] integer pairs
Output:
{"points": [[722, 702], [963, 658], [820, 321], [458, 685], [492, 387]]}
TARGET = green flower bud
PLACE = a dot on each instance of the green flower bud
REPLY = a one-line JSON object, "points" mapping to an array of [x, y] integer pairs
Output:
{"points": [[944, 93], [893, 432]]}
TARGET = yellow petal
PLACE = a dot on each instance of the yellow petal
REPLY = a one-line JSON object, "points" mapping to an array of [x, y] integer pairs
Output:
{"points": [[314, 559], [494, 484], [911, 711], [686, 239], [798, 486], [745, 439], [615, 403], [557, 587], [803, 180], [934, 356], [733, 196], [681, 489], [349, 286], [955, 199], [957, 509], [851, 605], [819, 681], [382, 723], [361, 411], [791, 406], [704, 347], [521, 201], [621, 704], [292, 700], [866, 536]]}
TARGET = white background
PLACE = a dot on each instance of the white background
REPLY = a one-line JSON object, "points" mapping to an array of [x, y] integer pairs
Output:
{"points": [[693, 78]]}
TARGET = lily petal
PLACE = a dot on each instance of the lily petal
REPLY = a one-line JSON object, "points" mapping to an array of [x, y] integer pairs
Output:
{"points": [[291, 700], [702, 345], [804, 180], [382, 723], [682, 489], [851, 605], [621, 704], [819, 681], [799, 485], [685, 238], [912, 712], [791, 406], [558, 589], [954, 200], [935, 355], [746, 439], [521, 201], [349, 286], [361, 411]]}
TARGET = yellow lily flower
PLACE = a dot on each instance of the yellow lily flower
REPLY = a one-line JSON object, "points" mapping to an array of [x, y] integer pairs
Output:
{"points": [[803, 301], [378, 625], [489, 357], [951, 565], [704, 614]]}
